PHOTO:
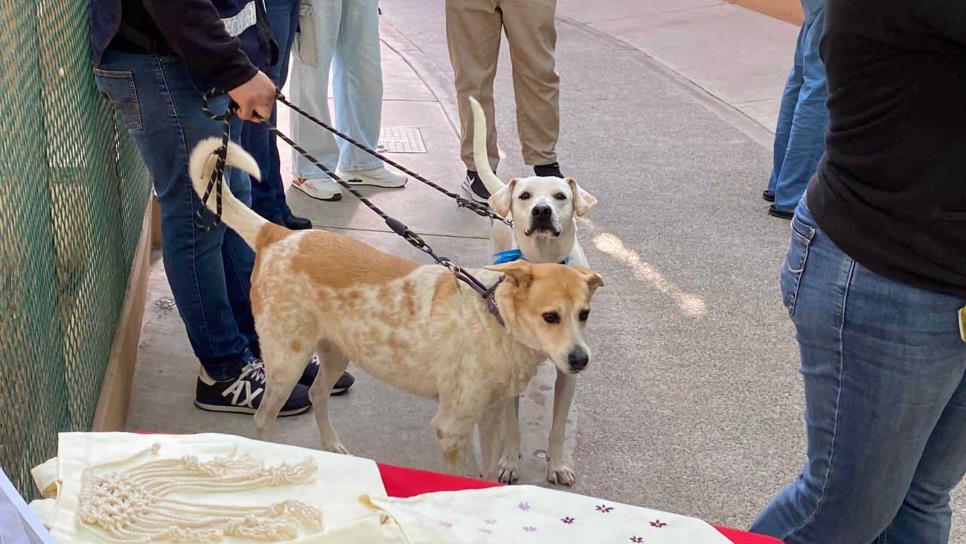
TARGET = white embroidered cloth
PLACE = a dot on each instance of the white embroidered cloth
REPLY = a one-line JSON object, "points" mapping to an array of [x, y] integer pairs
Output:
{"points": [[534, 515], [340, 481]]}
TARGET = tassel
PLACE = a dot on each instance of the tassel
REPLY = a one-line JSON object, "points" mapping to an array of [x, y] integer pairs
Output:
{"points": [[131, 504]]}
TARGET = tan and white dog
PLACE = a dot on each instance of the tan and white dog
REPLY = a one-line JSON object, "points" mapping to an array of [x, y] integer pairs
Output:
{"points": [[544, 211], [415, 327]]}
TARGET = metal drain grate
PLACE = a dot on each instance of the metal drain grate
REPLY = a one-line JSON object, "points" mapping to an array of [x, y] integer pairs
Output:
{"points": [[402, 140]]}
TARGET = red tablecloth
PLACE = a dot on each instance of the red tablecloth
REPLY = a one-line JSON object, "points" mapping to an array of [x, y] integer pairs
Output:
{"points": [[407, 482]]}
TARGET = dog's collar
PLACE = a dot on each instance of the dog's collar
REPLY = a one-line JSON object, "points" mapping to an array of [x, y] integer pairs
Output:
{"points": [[511, 255], [490, 297], [488, 293]]}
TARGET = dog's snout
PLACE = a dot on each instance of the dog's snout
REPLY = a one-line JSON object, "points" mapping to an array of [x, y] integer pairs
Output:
{"points": [[578, 359], [541, 211]]}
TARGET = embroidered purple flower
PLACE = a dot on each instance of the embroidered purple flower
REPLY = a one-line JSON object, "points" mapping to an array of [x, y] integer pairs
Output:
{"points": [[530, 528], [637, 540], [489, 521], [604, 509], [658, 523], [525, 506], [568, 520], [446, 524], [487, 531]]}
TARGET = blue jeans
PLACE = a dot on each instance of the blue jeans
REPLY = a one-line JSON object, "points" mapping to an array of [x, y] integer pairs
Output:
{"points": [[343, 34], [885, 402], [268, 195], [803, 117], [209, 270]]}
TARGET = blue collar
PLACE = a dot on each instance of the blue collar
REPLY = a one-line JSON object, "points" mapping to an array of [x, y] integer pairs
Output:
{"points": [[511, 255]]}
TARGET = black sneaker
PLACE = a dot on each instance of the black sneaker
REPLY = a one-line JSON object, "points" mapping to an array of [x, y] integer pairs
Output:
{"points": [[475, 189], [312, 370], [243, 395], [548, 170], [295, 222]]}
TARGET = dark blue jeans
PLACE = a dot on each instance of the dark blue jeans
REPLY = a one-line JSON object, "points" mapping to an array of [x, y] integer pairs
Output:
{"points": [[885, 402], [209, 270], [268, 195]]}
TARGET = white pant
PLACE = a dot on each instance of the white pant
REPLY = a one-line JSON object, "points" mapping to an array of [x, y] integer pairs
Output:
{"points": [[346, 37]]}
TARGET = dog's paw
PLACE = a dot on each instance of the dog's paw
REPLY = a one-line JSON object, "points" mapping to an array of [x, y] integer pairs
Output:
{"points": [[561, 474], [337, 448], [509, 470]]}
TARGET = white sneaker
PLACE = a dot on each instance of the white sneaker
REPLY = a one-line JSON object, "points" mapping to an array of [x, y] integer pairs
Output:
{"points": [[377, 177], [319, 188]]}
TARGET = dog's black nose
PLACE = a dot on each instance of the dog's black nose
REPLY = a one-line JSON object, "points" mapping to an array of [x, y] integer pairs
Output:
{"points": [[578, 359], [541, 212]]}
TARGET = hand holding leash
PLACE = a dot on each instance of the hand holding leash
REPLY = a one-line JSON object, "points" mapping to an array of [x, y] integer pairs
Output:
{"points": [[255, 98]]}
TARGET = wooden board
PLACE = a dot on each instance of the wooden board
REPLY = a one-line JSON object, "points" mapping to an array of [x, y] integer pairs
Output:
{"points": [[116, 387]]}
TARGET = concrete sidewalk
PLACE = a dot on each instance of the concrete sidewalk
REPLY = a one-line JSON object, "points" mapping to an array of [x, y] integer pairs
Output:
{"points": [[736, 55]]}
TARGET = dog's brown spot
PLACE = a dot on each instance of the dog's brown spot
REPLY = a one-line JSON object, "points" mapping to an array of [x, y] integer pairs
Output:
{"points": [[256, 296], [336, 261], [323, 301], [408, 298], [451, 455], [269, 234], [397, 343], [351, 302], [385, 295], [296, 346], [445, 288]]}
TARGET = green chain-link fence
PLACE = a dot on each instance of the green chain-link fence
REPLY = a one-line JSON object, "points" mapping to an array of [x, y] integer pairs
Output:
{"points": [[72, 197]]}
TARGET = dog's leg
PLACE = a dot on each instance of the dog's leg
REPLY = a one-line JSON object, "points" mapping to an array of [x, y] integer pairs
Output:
{"points": [[490, 428], [332, 364], [283, 368], [510, 461], [559, 470], [453, 431]]}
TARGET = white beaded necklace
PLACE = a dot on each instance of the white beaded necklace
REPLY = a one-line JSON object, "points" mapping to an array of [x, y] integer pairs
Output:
{"points": [[132, 504]]}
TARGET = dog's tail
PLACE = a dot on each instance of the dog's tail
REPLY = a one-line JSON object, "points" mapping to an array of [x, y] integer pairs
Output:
{"points": [[480, 155], [234, 213]]}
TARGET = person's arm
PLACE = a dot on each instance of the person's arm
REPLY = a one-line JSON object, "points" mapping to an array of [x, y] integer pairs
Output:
{"points": [[196, 33]]}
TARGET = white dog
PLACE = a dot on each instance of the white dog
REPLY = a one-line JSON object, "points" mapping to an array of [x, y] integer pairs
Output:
{"points": [[544, 211], [417, 328]]}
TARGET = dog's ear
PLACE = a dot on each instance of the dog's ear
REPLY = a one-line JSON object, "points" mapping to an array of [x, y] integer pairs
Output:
{"points": [[593, 279], [503, 199], [517, 273], [583, 201]]}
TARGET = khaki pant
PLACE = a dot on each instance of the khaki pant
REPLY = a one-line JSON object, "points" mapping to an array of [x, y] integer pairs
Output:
{"points": [[473, 31]]}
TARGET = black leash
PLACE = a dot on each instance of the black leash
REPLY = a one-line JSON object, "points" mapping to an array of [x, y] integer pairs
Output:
{"points": [[477, 208], [217, 180], [218, 174]]}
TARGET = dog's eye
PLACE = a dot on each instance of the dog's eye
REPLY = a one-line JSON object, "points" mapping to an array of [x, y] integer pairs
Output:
{"points": [[551, 317], [524, 195], [584, 315], [560, 196]]}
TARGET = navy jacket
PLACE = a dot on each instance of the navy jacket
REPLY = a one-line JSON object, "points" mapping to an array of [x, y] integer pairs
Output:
{"points": [[223, 42]]}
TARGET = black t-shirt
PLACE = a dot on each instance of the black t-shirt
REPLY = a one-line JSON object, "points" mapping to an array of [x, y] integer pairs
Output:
{"points": [[193, 30], [891, 188]]}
